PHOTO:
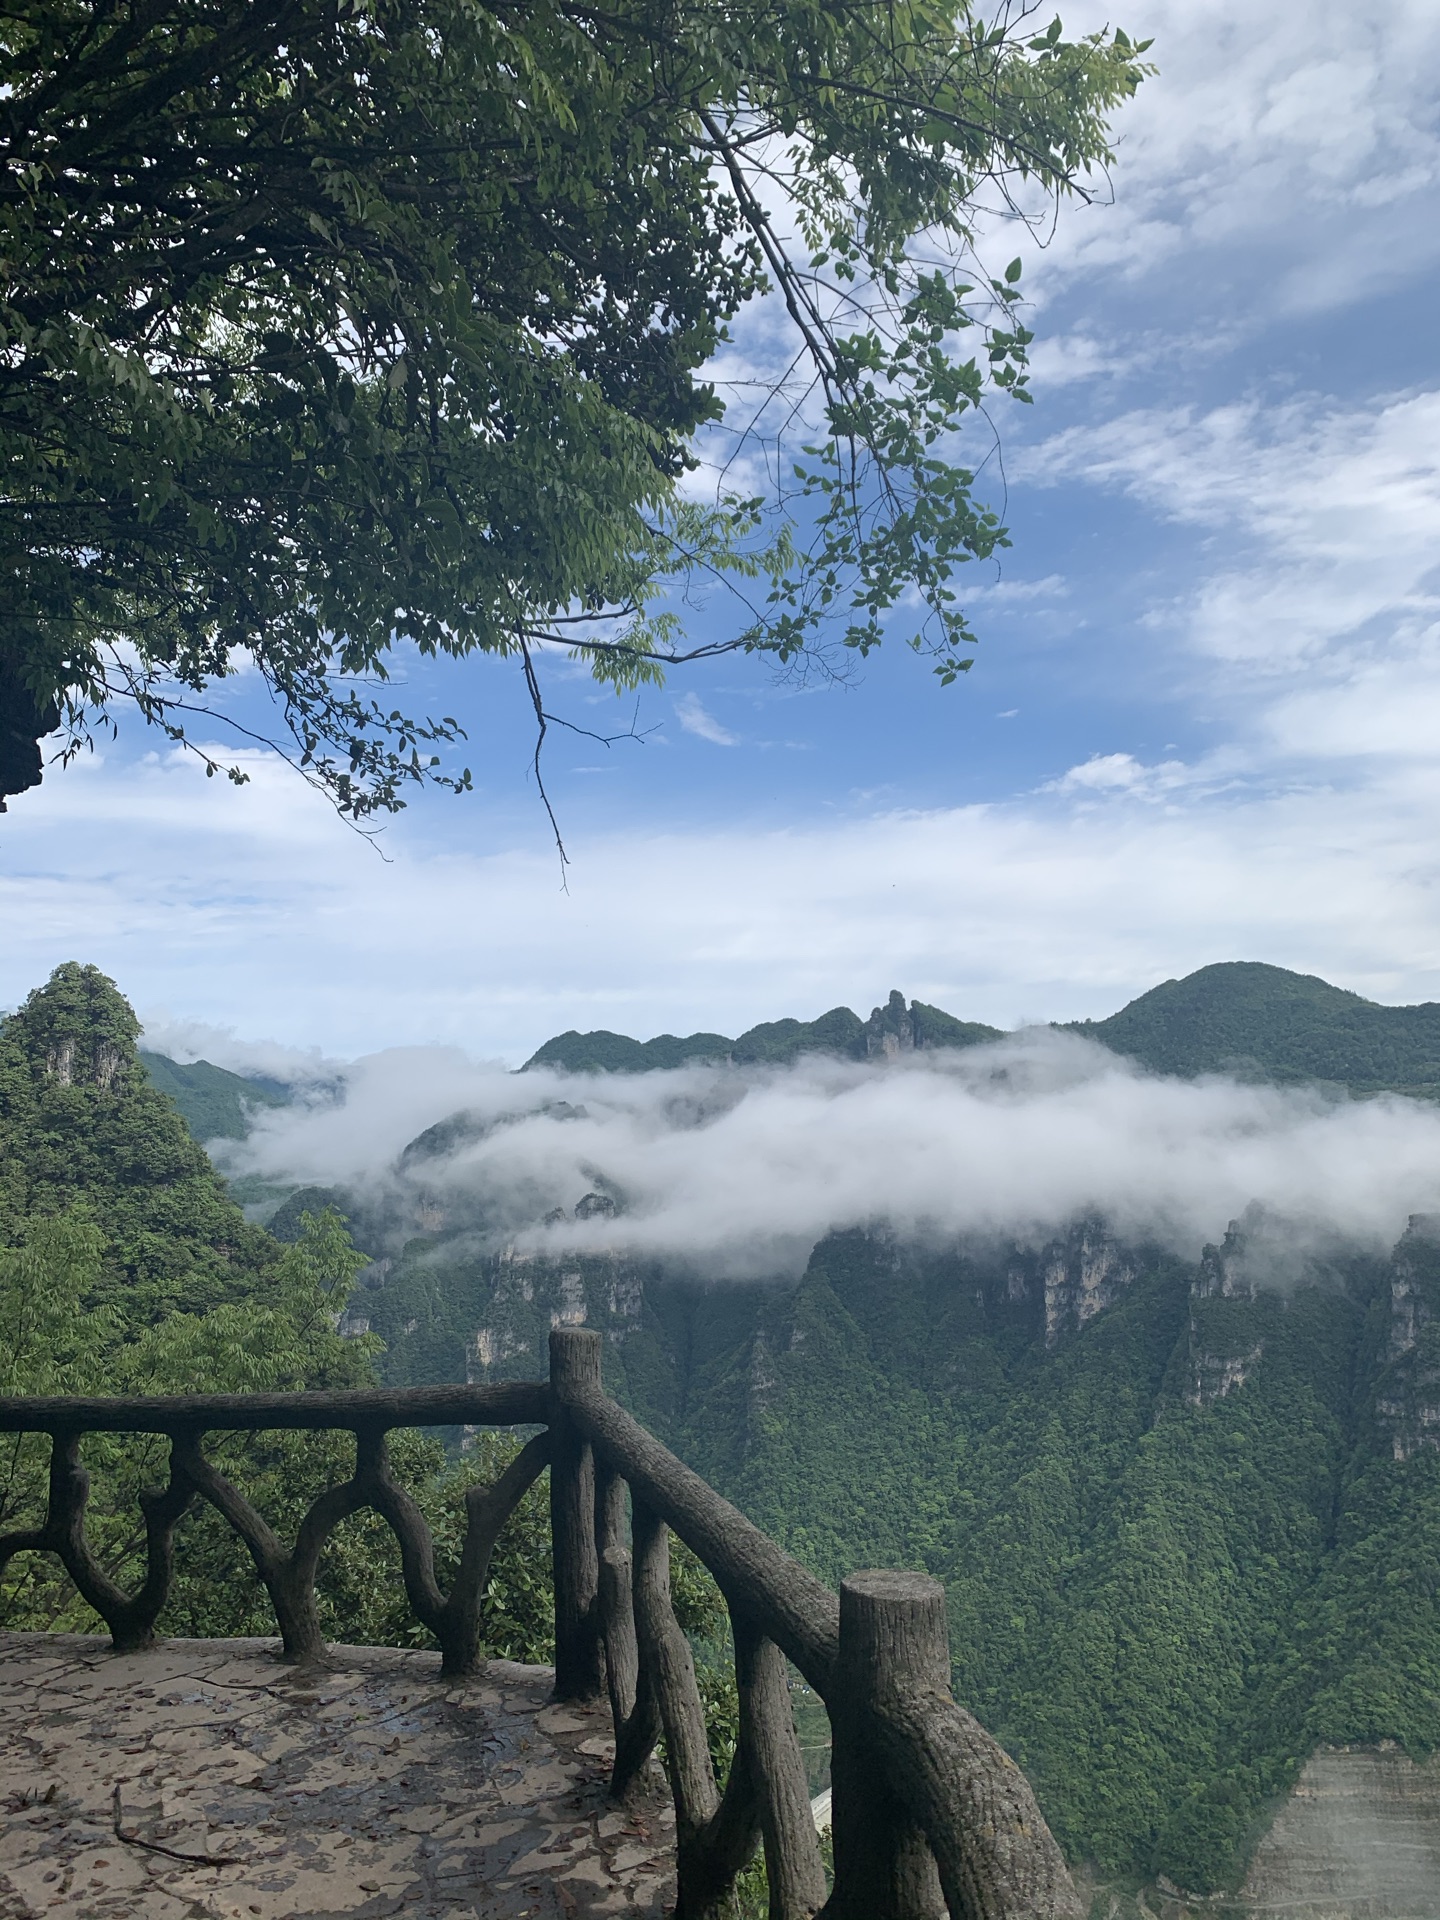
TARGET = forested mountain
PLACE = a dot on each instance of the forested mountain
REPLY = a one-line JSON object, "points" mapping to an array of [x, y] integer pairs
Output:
{"points": [[1262, 1021], [214, 1103], [81, 1123], [1189, 1524], [893, 1028], [1240, 1017]]}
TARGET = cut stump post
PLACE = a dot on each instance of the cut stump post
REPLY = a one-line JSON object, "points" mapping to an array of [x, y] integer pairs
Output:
{"points": [[893, 1636], [574, 1374]]}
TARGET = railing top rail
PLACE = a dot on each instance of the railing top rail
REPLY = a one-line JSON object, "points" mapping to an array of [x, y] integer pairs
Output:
{"points": [[794, 1609], [510, 1403]]}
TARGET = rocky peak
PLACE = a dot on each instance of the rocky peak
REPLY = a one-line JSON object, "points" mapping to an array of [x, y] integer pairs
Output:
{"points": [[1225, 1346], [595, 1206], [890, 1029], [78, 1030], [1225, 1271]]}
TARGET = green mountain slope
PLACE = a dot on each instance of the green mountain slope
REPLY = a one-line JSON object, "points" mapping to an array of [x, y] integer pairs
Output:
{"points": [[215, 1104], [606, 1052], [80, 1121], [1245, 1017], [1240, 1017], [1187, 1529]]}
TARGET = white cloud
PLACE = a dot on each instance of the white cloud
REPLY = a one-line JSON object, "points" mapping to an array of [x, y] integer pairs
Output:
{"points": [[1246, 160], [691, 713], [1060, 360], [1327, 552], [740, 1173], [1122, 773], [256, 909], [1004, 590], [190, 1040]]}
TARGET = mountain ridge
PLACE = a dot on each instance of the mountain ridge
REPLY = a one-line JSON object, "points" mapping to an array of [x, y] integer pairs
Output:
{"points": [[893, 1028], [1244, 1017]]}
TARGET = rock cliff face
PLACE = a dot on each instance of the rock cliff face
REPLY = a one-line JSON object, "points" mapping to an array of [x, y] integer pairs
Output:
{"points": [[1226, 1338], [1358, 1839], [1082, 1274], [529, 1295], [1407, 1399]]}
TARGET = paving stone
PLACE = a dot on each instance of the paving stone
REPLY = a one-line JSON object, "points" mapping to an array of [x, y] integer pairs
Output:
{"points": [[201, 1780]]}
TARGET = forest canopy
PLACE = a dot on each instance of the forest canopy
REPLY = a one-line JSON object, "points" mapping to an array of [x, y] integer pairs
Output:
{"points": [[332, 325]]}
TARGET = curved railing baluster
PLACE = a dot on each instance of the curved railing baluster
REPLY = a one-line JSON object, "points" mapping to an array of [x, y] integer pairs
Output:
{"points": [[454, 1620], [289, 1578], [129, 1616]]}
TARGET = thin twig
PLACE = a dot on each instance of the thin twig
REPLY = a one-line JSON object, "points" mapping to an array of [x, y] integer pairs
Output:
{"points": [[542, 721]]}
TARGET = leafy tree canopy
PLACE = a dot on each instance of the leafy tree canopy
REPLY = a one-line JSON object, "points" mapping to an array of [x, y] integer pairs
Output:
{"points": [[330, 324], [80, 1122]]}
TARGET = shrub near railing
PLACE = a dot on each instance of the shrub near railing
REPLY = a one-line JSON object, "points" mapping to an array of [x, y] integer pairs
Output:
{"points": [[929, 1814]]}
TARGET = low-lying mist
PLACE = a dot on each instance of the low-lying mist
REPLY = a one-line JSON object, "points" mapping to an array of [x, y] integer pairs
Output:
{"points": [[738, 1173]]}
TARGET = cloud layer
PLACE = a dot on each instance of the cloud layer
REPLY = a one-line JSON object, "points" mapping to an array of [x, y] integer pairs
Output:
{"points": [[738, 1174]]}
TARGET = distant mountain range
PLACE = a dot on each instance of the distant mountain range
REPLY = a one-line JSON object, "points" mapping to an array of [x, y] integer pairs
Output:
{"points": [[893, 1028], [1240, 1017]]}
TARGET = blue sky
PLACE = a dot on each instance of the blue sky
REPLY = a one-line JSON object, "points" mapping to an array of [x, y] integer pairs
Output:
{"points": [[1202, 724]]}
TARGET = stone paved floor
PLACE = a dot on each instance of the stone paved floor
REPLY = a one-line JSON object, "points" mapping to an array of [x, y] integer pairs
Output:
{"points": [[203, 1781]]}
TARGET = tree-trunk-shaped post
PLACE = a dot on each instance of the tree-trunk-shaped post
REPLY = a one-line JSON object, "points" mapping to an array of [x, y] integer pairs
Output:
{"points": [[616, 1608], [771, 1752], [908, 1762], [633, 1706], [893, 1639], [715, 1833], [574, 1375]]}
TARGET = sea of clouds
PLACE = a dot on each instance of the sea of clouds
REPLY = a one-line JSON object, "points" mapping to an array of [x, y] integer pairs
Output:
{"points": [[739, 1173]]}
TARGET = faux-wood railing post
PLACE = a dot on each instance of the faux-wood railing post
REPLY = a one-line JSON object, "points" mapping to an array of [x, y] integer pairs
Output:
{"points": [[574, 1374], [893, 1639]]}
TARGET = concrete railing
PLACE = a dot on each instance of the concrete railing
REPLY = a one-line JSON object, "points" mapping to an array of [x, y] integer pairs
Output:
{"points": [[929, 1814]]}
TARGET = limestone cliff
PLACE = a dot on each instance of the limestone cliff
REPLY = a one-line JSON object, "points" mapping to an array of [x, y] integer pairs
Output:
{"points": [[1407, 1397]]}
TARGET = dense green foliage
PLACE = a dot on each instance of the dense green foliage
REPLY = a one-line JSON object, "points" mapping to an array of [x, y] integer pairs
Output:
{"points": [[772, 1043], [327, 327], [1243, 1017], [124, 1267], [214, 1104], [1182, 1543]]}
